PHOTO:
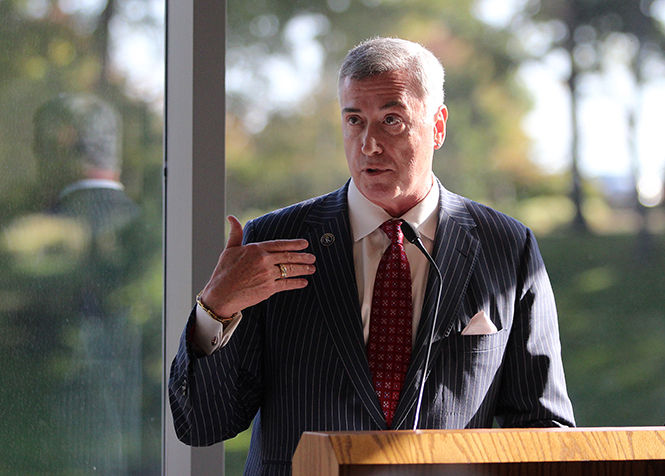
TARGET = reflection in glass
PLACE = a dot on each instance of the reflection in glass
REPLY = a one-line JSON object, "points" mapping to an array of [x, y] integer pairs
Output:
{"points": [[97, 401], [80, 246]]}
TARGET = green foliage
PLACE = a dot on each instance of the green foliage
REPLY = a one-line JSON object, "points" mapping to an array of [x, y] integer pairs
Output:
{"points": [[609, 293], [235, 453]]}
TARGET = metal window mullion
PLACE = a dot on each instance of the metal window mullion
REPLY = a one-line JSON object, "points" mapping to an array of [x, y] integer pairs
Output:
{"points": [[194, 189]]}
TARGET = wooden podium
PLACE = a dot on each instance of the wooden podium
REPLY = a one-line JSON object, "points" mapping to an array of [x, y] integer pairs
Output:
{"points": [[524, 452]]}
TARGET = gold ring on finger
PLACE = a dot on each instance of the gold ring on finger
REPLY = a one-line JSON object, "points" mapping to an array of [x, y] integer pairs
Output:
{"points": [[282, 270]]}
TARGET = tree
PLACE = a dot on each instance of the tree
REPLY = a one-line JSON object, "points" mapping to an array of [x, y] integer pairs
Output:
{"points": [[643, 29], [588, 25]]}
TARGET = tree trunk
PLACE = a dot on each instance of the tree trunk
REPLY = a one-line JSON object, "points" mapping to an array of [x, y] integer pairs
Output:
{"points": [[101, 38], [643, 238], [576, 193]]}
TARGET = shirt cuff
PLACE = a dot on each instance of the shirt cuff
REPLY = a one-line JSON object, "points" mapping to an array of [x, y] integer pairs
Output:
{"points": [[209, 334]]}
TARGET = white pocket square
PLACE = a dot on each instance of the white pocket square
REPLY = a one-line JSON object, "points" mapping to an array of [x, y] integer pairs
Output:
{"points": [[480, 324]]}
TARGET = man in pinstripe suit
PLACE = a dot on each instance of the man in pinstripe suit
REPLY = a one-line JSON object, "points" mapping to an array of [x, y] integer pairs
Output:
{"points": [[279, 333]]}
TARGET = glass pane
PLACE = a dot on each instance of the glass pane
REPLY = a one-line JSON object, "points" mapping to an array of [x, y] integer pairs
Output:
{"points": [[81, 88], [540, 105]]}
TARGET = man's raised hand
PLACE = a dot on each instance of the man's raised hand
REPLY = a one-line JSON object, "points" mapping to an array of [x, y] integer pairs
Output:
{"points": [[248, 274]]}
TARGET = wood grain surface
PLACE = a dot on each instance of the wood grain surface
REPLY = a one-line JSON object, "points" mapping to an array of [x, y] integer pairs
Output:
{"points": [[331, 451]]}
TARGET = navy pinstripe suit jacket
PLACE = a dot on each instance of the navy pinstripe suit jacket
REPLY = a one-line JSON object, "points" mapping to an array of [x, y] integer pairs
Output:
{"points": [[298, 358]]}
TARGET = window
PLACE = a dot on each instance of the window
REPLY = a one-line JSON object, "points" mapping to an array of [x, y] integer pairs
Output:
{"points": [[284, 145], [81, 90]]}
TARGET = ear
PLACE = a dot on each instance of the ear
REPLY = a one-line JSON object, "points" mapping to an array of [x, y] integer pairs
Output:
{"points": [[440, 119]]}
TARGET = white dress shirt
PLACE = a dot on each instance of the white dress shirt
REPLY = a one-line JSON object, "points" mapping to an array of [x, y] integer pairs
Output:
{"points": [[369, 244]]}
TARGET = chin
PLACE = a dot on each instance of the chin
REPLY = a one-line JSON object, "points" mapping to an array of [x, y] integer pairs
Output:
{"points": [[385, 201], [380, 192]]}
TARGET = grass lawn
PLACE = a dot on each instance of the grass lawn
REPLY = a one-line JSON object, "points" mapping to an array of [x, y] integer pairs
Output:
{"points": [[611, 298], [235, 453]]}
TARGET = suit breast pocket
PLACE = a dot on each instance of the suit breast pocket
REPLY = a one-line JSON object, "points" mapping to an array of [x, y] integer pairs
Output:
{"points": [[466, 371], [471, 344]]}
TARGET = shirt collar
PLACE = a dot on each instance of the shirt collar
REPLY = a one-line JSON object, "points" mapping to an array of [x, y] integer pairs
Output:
{"points": [[91, 183], [365, 216]]}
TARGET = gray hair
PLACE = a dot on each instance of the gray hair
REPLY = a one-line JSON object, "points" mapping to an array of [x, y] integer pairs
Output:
{"points": [[384, 55], [95, 125]]}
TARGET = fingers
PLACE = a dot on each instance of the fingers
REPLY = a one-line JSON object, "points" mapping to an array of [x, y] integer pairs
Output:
{"points": [[275, 246], [235, 233], [294, 270], [248, 274], [291, 258], [290, 284]]}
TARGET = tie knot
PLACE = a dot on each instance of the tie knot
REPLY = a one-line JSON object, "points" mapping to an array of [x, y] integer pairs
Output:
{"points": [[393, 228]]}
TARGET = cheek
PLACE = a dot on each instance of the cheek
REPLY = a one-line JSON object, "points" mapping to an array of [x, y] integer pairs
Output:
{"points": [[422, 146], [349, 143], [351, 152], [409, 148], [346, 138], [350, 138], [419, 156]]}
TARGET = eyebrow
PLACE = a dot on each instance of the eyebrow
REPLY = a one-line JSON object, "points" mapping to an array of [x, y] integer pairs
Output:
{"points": [[387, 105], [395, 103]]}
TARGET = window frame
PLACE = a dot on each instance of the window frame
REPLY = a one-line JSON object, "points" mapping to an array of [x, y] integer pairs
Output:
{"points": [[194, 191]]}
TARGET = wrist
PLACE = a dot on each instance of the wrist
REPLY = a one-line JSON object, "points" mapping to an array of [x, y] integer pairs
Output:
{"points": [[220, 318]]}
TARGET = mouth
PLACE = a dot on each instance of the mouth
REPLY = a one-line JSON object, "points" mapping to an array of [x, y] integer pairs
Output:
{"points": [[375, 171]]}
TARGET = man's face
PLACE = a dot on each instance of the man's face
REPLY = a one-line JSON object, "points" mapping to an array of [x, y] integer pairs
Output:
{"points": [[389, 139]]}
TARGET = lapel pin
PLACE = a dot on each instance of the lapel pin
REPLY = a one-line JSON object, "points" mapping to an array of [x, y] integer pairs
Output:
{"points": [[327, 239]]}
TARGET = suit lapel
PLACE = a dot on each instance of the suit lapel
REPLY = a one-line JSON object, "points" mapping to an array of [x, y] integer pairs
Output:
{"points": [[455, 252], [334, 283]]}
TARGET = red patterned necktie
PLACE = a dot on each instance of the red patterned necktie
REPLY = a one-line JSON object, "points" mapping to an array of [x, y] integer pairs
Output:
{"points": [[389, 346]]}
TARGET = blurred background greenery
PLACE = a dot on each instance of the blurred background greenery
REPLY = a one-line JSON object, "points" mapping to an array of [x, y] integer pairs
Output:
{"points": [[551, 120], [80, 301]]}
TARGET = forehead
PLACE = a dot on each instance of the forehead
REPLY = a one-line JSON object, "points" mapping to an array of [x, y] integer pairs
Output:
{"points": [[379, 90]]}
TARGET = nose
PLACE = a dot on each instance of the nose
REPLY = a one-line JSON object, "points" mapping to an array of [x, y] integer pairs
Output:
{"points": [[370, 144]]}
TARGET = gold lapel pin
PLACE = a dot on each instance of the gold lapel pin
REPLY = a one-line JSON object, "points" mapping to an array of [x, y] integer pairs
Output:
{"points": [[327, 239]]}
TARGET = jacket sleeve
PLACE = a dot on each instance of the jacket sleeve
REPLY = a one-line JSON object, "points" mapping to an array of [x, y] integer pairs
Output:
{"points": [[533, 389], [215, 397]]}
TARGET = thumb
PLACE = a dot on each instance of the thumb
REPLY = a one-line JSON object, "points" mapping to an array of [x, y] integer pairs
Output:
{"points": [[235, 233]]}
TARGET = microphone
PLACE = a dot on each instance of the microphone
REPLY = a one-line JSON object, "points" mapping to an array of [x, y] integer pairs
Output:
{"points": [[412, 236]]}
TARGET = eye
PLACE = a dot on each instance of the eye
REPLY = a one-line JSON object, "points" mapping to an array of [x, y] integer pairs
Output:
{"points": [[352, 120], [392, 120]]}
